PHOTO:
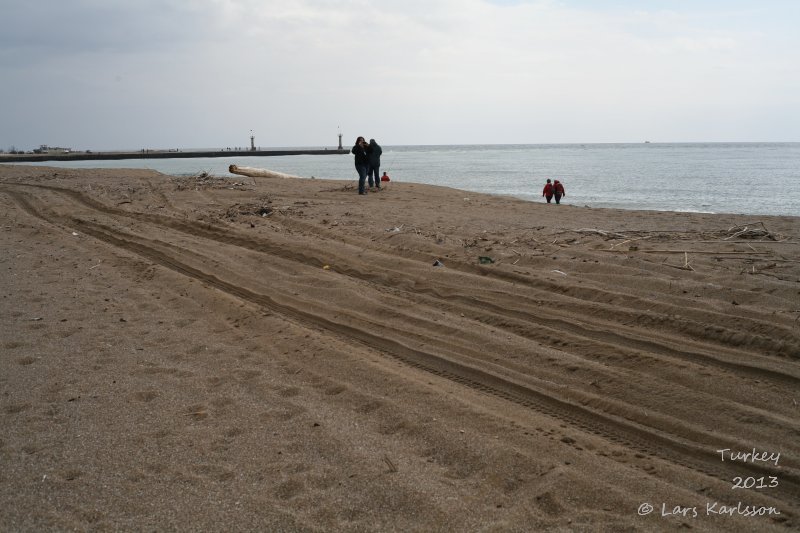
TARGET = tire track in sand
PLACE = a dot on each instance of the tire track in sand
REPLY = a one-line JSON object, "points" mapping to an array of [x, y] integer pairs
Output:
{"points": [[640, 438], [602, 330]]}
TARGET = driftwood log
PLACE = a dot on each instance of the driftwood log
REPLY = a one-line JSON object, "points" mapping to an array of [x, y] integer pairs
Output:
{"points": [[257, 172]]}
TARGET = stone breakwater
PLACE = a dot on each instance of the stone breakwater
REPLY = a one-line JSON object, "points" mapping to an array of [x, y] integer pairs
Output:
{"points": [[158, 154]]}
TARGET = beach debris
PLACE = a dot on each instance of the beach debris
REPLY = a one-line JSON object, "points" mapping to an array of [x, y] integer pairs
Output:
{"points": [[395, 229], [258, 172], [559, 272], [706, 252], [261, 208], [75, 233], [632, 247], [438, 263], [686, 264], [204, 180], [390, 464], [485, 260], [749, 232], [326, 267], [36, 319], [606, 234]]}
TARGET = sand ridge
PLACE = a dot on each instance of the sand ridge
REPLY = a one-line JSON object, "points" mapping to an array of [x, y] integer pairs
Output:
{"points": [[237, 354]]}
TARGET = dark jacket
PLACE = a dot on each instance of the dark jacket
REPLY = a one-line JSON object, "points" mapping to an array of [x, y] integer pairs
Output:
{"points": [[374, 152], [558, 189], [362, 155]]}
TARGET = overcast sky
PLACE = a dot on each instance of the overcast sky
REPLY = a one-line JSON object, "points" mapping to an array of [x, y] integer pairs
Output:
{"points": [[130, 74]]}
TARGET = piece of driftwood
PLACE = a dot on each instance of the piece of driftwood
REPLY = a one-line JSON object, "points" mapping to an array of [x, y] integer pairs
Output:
{"points": [[707, 252], [607, 234], [785, 241], [750, 232], [257, 172], [630, 240]]}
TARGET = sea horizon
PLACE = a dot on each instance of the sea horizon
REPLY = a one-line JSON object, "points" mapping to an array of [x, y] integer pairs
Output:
{"points": [[346, 145]]}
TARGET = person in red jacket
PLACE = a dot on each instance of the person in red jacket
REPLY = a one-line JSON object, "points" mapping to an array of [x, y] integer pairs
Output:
{"points": [[558, 191], [547, 192]]}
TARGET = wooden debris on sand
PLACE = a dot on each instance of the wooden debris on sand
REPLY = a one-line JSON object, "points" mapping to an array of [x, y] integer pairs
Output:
{"points": [[750, 232], [257, 172]]}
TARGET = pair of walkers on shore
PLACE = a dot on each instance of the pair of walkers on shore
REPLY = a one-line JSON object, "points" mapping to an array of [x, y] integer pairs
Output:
{"points": [[553, 190], [368, 164]]}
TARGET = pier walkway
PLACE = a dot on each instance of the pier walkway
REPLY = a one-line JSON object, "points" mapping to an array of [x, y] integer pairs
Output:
{"points": [[158, 154]]}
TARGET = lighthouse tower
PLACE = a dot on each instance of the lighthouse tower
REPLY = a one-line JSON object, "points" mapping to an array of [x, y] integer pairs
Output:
{"points": [[252, 141], [340, 139]]}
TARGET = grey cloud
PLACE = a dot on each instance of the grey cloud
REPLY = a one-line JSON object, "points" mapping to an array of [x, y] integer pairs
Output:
{"points": [[31, 30]]}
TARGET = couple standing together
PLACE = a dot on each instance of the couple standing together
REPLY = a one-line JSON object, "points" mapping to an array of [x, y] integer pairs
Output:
{"points": [[368, 164], [553, 189]]}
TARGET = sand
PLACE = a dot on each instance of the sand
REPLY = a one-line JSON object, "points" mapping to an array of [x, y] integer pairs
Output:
{"points": [[215, 354]]}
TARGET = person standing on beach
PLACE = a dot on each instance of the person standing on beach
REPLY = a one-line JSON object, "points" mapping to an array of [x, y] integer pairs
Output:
{"points": [[558, 191], [361, 151], [375, 152], [547, 192]]}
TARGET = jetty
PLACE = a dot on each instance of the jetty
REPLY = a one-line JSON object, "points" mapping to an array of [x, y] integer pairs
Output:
{"points": [[158, 154]]}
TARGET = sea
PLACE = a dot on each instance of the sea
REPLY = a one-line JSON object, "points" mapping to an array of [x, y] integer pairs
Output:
{"points": [[741, 178]]}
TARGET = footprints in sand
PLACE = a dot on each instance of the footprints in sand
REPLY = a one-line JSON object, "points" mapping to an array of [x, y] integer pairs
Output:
{"points": [[289, 392], [213, 472], [196, 412], [70, 474], [369, 406], [289, 489], [146, 396], [549, 504], [335, 390], [14, 408]]}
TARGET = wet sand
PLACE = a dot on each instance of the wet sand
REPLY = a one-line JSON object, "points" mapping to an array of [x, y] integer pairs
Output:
{"points": [[237, 355]]}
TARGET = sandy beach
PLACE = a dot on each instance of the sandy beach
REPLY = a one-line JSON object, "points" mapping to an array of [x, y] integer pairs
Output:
{"points": [[237, 354]]}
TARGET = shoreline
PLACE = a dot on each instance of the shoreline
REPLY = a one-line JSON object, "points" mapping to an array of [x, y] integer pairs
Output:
{"points": [[192, 352], [224, 174]]}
